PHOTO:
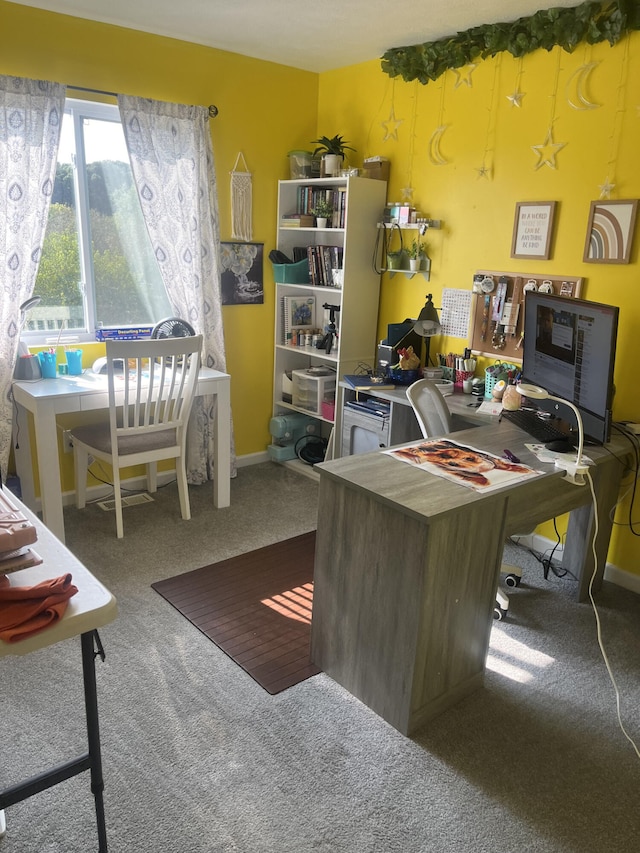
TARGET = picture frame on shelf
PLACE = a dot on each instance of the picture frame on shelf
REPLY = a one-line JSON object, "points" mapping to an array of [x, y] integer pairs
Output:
{"points": [[533, 229], [610, 231]]}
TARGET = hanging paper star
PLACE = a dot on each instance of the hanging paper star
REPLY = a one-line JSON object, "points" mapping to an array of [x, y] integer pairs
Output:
{"points": [[407, 194], [516, 98], [391, 126], [463, 75], [606, 188], [484, 171], [547, 151]]}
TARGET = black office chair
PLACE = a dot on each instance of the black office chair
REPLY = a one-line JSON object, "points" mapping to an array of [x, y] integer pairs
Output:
{"points": [[434, 419]]}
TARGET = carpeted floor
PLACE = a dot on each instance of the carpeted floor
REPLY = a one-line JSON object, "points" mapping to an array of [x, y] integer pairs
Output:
{"points": [[256, 607], [198, 758]]}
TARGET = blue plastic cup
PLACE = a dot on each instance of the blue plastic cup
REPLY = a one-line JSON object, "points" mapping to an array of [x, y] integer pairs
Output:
{"points": [[47, 364], [74, 361]]}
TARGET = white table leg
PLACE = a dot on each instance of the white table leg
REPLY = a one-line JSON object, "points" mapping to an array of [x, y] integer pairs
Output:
{"points": [[222, 446], [3, 823], [23, 455], [49, 468]]}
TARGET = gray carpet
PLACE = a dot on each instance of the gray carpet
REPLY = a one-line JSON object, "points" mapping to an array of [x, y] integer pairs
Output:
{"points": [[199, 759]]}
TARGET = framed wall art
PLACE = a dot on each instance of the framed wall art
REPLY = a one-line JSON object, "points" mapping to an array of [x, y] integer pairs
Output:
{"points": [[242, 278], [610, 231], [532, 229]]}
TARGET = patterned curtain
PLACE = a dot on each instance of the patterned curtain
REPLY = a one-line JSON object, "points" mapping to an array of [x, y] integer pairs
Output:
{"points": [[30, 120], [172, 162]]}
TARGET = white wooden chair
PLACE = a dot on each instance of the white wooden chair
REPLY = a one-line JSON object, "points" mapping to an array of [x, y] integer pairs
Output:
{"points": [[434, 419], [150, 400]]}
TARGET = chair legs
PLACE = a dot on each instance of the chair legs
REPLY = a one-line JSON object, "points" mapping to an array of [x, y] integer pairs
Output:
{"points": [[183, 489]]}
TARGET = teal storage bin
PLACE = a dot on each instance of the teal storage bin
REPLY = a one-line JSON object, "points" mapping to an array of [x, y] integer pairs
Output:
{"points": [[292, 273]]}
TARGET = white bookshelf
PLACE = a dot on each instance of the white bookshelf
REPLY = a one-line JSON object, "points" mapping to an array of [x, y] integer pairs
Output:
{"points": [[357, 299]]}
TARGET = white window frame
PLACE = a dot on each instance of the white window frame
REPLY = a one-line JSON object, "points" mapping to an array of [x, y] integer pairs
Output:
{"points": [[79, 109]]}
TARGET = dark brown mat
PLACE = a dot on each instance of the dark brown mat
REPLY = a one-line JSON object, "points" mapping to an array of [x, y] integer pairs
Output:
{"points": [[256, 607]]}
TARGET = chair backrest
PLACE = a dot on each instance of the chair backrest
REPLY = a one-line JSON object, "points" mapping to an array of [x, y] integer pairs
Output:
{"points": [[430, 407], [151, 384]]}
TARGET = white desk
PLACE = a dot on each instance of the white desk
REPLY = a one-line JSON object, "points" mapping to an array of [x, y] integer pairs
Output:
{"points": [[91, 608], [47, 398]]}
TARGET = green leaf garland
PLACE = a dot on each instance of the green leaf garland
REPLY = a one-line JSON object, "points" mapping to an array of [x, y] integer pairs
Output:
{"points": [[590, 22]]}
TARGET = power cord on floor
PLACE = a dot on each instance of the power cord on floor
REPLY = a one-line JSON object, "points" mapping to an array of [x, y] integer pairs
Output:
{"points": [[597, 615]]}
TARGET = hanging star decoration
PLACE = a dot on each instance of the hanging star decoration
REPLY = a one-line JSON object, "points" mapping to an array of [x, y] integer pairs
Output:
{"points": [[484, 172], [547, 151], [391, 126], [407, 194], [516, 98], [463, 75], [606, 189]]}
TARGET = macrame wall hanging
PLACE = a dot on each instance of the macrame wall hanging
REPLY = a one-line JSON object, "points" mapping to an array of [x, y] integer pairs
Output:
{"points": [[241, 201]]}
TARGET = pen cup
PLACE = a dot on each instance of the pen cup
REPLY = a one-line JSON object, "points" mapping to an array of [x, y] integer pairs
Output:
{"points": [[47, 364], [74, 362]]}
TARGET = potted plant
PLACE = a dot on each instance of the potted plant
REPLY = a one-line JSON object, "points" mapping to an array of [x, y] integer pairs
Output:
{"points": [[333, 150], [323, 212], [417, 250]]}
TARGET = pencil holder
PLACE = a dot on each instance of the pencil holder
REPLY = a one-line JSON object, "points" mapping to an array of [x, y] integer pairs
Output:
{"points": [[47, 364], [461, 375]]}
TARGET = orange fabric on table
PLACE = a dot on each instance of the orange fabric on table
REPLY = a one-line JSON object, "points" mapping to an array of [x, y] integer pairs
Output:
{"points": [[26, 610]]}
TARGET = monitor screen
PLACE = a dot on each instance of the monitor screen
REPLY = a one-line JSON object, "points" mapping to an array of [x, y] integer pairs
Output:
{"points": [[569, 349]]}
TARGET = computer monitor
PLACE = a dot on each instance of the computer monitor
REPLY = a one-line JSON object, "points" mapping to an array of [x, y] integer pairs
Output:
{"points": [[569, 349]]}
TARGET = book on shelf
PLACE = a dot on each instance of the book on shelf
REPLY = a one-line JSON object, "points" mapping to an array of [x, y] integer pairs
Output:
{"points": [[298, 312], [297, 220], [322, 261], [365, 382]]}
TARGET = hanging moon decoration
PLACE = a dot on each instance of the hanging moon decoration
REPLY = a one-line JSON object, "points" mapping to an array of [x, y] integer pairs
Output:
{"points": [[577, 87], [433, 151]]}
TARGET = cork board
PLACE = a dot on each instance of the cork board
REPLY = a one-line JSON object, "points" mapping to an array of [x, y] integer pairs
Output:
{"points": [[497, 317]]}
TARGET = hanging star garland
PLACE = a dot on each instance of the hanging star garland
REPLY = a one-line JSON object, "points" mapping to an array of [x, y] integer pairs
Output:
{"points": [[407, 194], [484, 172], [547, 151], [516, 98], [391, 126], [606, 189], [463, 75]]}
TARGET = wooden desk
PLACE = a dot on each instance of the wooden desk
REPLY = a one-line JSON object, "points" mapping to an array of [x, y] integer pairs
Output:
{"points": [[91, 608], [47, 398], [407, 567]]}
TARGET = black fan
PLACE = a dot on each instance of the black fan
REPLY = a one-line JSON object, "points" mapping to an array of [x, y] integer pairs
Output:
{"points": [[173, 327]]}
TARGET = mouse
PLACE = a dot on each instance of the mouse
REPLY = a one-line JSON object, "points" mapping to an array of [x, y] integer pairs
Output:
{"points": [[559, 445]]}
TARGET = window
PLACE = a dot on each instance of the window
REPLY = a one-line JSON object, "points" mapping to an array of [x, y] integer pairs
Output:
{"points": [[97, 266]]}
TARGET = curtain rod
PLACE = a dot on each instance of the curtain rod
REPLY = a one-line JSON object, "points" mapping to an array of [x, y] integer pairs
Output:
{"points": [[213, 110]]}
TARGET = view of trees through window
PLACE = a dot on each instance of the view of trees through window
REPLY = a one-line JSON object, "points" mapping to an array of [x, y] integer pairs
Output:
{"points": [[97, 264]]}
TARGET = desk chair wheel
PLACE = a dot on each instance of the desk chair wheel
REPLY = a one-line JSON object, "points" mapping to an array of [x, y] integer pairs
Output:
{"points": [[501, 606], [512, 580]]}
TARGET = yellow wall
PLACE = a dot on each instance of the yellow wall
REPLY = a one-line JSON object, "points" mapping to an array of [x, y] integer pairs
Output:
{"points": [[267, 109], [478, 213]]}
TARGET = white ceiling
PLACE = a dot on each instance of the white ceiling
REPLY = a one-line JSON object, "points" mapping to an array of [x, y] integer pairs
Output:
{"points": [[315, 35]]}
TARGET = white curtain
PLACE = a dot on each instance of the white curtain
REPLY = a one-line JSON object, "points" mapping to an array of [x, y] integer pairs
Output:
{"points": [[173, 167], [30, 120]]}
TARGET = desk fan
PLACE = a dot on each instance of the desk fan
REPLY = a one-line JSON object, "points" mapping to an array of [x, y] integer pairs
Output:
{"points": [[173, 327]]}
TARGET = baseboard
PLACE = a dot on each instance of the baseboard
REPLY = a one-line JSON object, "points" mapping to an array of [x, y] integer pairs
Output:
{"points": [[613, 574]]}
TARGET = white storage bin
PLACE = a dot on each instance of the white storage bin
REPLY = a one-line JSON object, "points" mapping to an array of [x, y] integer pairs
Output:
{"points": [[311, 389]]}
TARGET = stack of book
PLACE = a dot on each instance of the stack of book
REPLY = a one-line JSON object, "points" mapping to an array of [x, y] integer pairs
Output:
{"points": [[297, 220]]}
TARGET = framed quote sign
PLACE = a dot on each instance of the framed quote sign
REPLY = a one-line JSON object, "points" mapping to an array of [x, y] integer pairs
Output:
{"points": [[532, 229]]}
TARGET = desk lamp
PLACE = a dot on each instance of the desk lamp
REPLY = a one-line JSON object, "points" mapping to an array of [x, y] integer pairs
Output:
{"points": [[427, 325], [27, 366], [575, 469]]}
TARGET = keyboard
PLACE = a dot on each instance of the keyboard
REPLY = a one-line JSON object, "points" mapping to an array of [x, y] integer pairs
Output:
{"points": [[542, 429]]}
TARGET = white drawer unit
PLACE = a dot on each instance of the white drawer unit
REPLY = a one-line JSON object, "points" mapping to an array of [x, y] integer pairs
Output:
{"points": [[312, 388]]}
